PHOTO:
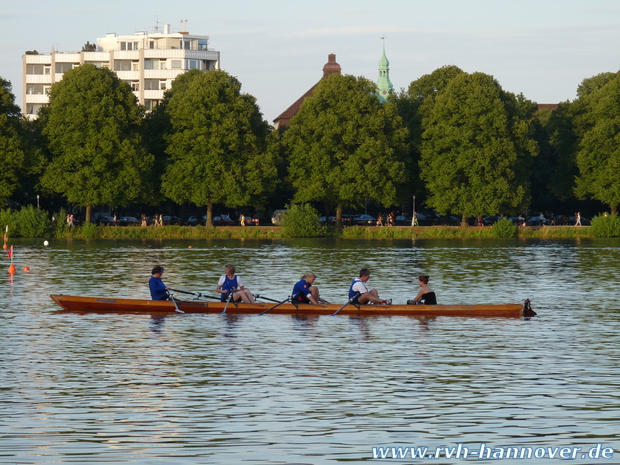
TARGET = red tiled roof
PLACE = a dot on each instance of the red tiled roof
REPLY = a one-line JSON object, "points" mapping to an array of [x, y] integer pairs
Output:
{"points": [[330, 67]]}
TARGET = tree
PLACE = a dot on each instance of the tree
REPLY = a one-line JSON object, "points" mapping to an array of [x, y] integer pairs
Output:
{"points": [[216, 144], [92, 128], [476, 148], [12, 156], [598, 127], [345, 146], [420, 97]]}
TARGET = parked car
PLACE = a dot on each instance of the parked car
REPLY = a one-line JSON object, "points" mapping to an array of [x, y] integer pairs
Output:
{"points": [[223, 221], [194, 220], [105, 221], [249, 221], [402, 220], [128, 221], [171, 220], [364, 220]]}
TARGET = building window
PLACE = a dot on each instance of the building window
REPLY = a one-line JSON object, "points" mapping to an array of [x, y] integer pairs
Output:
{"points": [[186, 44], [135, 86], [129, 45], [152, 44], [176, 64], [122, 65], [62, 68], [38, 69], [202, 44], [33, 108], [98, 64], [151, 84], [150, 104], [37, 89]]}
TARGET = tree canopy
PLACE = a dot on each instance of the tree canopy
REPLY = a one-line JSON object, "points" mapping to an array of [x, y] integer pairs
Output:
{"points": [[12, 156], [216, 144], [598, 153], [92, 128], [345, 146], [476, 148]]}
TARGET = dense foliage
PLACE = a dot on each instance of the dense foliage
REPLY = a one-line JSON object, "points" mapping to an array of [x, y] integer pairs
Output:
{"points": [[456, 140], [345, 146], [92, 130], [476, 148], [217, 144], [606, 226], [302, 220]]}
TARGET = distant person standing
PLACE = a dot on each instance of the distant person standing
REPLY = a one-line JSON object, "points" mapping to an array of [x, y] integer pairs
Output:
{"points": [[414, 220]]}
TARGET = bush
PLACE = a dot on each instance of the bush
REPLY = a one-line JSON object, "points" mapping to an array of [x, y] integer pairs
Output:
{"points": [[606, 226], [7, 218], [302, 221], [32, 222], [504, 228]]}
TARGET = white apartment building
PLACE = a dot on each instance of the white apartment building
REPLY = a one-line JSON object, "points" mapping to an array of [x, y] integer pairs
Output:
{"points": [[148, 62]]}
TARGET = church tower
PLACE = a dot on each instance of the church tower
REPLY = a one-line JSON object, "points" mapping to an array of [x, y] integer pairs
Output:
{"points": [[384, 85]]}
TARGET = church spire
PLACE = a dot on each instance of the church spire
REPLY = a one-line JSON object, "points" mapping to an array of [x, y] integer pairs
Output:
{"points": [[384, 85]]}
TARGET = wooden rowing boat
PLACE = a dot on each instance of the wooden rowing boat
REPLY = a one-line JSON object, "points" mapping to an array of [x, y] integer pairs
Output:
{"points": [[114, 305]]}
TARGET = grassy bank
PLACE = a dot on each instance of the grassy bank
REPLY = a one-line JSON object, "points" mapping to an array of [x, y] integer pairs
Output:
{"points": [[353, 232]]}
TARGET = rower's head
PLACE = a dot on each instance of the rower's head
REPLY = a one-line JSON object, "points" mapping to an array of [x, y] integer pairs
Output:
{"points": [[364, 274], [309, 277], [157, 270], [423, 279], [230, 269]]}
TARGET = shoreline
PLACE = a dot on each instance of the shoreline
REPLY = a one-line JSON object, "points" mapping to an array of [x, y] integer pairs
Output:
{"points": [[350, 232]]}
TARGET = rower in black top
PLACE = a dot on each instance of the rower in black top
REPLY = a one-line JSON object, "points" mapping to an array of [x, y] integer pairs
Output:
{"points": [[426, 296]]}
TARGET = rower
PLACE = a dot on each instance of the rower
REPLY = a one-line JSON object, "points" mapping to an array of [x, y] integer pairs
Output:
{"points": [[358, 286], [159, 291], [426, 295], [304, 292], [231, 283]]}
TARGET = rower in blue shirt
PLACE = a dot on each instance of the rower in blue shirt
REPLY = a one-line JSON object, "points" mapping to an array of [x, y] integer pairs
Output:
{"points": [[159, 291], [230, 283], [304, 292]]}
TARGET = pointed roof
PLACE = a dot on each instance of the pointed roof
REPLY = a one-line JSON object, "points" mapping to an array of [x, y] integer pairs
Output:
{"points": [[329, 68], [384, 85]]}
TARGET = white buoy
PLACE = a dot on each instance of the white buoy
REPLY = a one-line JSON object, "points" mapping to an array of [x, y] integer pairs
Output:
{"points": [[46, 243]]}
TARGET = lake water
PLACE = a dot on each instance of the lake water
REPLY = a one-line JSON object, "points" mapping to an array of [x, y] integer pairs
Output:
{"points": [[211, 389]]}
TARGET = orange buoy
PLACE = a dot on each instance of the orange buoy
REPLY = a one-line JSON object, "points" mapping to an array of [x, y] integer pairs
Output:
{"points": [[12, 269], [26, 268], [189, 247], [4, 246]]}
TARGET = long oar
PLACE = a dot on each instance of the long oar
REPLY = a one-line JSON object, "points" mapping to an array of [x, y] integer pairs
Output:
{"points": [[276, 305], [348, 302], [230, 296], [197, 294], [258, 296], [176, 307]]}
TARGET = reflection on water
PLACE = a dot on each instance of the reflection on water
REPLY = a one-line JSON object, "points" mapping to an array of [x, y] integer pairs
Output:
{"points": [[312, 390]]}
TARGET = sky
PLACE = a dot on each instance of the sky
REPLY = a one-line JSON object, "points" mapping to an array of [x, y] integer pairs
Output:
{"points": [[541, 48]]}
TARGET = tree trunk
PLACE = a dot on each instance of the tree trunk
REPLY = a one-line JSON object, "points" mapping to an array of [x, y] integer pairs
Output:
{"points": [[464, 222], [89, 212], [209, 223], [339, 217], [614, 209]]}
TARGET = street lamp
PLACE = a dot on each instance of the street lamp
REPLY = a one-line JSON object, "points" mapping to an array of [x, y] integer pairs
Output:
{"points": [[37, 201]]}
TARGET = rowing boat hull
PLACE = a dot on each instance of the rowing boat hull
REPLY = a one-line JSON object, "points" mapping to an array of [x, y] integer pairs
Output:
{"points": [[114, 305]]}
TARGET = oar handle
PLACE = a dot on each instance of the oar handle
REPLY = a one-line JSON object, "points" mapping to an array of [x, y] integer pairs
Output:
{"points": [[197, 294]]}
